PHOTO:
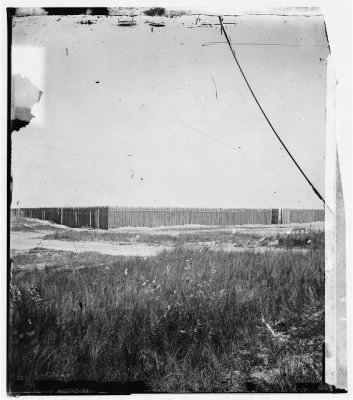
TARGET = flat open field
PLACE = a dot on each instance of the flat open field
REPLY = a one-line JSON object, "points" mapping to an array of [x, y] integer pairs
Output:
{"points": [[179, 309], [28, 234]]}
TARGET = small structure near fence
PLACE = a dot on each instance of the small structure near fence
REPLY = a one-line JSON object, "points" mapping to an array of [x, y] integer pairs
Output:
{"points": [[115, 217]]}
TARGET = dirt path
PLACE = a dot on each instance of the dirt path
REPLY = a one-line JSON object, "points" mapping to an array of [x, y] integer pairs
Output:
{"points": [[29, 234], [24, 241]]}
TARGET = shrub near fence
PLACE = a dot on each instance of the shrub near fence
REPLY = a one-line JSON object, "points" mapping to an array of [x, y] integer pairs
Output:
{"points": [[115, 217]]}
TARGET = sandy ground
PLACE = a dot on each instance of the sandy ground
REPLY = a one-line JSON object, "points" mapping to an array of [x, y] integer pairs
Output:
{"points": [[25, 241], [260, 230], [30, 238], [37, 225]]}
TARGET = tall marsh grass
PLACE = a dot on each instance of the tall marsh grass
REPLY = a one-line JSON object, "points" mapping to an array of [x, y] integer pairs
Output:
{"points": [[183, 321]]}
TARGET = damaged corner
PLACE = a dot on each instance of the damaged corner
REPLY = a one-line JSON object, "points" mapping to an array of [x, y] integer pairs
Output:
{"points": [[24, 95]]}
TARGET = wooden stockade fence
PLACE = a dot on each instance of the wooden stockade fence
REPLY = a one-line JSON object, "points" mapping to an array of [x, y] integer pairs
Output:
{"points": [[150, 217], [291, 216], [301, 216], [115, 217], [75, 217]]}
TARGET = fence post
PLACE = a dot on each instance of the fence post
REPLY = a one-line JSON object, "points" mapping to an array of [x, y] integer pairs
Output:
{"points": [[98, 218], [90, 218]]}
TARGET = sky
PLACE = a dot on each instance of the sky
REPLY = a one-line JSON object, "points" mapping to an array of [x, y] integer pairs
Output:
{"points": [[135, 117]]}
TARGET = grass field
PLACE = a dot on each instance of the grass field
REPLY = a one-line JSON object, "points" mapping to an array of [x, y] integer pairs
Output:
{"points": [[309, 240], [187, 320]]}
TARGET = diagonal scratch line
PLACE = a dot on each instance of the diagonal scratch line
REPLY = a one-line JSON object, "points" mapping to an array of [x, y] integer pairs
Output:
{"points": [[265, 44], [242, 152], [212, 137], [214, 85], [268, 121], [56, 149], [260, 14]]}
